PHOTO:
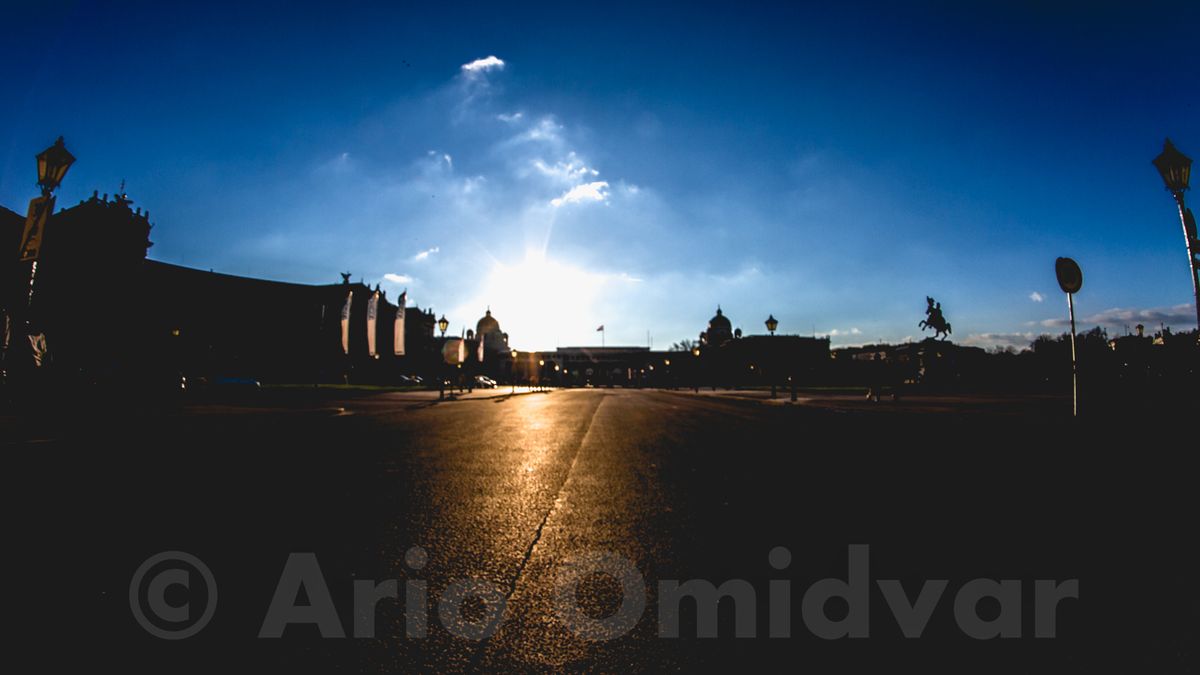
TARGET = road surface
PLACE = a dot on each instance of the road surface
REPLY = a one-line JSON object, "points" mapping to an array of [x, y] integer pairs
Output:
{"points": [[507, 496]]}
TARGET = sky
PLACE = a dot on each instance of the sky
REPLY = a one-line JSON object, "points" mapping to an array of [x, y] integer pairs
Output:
{"points": [[636, 165]]}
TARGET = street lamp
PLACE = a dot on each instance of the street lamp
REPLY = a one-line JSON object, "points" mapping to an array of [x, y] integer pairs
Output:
{"points": [[513, 371], [772, 323], [1176, 170], [52, 165], [443, 324]]}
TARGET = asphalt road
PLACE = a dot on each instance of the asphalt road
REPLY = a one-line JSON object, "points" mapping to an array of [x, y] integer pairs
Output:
{"points": [[504, 498]]}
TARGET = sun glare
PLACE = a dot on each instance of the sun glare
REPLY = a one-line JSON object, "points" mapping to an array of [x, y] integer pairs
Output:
{"points": [[543, 303]]}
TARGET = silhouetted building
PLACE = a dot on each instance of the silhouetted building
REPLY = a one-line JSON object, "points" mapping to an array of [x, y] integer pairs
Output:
{"points": [[727, 358], [110, 315], [87, 297], [495, 341], [719, 330]]}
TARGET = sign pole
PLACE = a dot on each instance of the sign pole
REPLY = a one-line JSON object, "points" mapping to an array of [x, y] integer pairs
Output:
{"points": [[1074, 360], [1070, 280]]}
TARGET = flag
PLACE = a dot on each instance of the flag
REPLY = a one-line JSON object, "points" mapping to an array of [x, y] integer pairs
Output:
{"points": [[346, 322], [454, 351], [372, 312], [40, 209], [601, 328], [399, 347]]}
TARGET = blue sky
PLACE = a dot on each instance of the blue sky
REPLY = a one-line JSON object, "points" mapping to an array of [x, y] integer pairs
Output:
{"points": [[570, 166]]}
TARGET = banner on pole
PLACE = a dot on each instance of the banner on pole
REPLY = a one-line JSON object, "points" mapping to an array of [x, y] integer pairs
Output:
{"points": [[346, 323], [372, 311], [454, 351], [399, 338], [39, 212]]}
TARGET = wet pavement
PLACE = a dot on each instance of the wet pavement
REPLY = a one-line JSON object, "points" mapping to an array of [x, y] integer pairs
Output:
{"points": [[501, 499]]}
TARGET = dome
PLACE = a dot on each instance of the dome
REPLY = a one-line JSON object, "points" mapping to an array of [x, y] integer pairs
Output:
{"points": [[719, 330], [719, 321], [487, 324]]}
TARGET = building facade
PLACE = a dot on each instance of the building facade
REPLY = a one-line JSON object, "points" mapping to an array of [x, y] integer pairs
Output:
{"points": [[106, 314]]}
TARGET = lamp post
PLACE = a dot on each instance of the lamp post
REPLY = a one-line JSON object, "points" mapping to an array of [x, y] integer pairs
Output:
{"points": [[443, 373], [513, 371], [1176, 169], [52, 166], [772, 324]]}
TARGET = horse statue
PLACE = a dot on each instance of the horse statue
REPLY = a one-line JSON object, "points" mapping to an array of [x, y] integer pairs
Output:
{"points": [[935, 320]]}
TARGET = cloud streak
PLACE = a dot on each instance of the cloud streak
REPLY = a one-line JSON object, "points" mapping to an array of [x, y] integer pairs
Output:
{"points": [[423, 255], [587, 192], [1116, 317], [483, 65], [999, 340]]}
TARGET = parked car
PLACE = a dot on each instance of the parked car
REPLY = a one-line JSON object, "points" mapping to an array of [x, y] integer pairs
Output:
{"points": [[485, 382], [236, 383]]}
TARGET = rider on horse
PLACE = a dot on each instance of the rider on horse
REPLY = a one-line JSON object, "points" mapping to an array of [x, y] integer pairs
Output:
{"points": [[934, 319]]}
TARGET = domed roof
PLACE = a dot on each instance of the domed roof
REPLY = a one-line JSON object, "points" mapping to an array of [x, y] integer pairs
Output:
{"points": [[487, 324], [719, 321]]}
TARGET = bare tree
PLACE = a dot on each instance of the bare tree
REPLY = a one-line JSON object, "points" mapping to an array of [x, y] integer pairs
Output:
{"points": [[684, 345]]}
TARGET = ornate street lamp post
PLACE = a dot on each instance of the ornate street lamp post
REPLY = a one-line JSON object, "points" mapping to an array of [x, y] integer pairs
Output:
{"points": [[1176, 169], [52, 166], [443, 370], [772, 324]]}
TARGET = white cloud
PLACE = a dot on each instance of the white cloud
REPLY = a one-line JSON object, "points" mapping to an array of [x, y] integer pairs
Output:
{"points": [[426, 253], [472, 184], [510, 118], [838, 332], [994, 340], [1036, 297], [1179, 315], [398, 278], [546, 129], [570, 170], [482, 65], [595, 192]]}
